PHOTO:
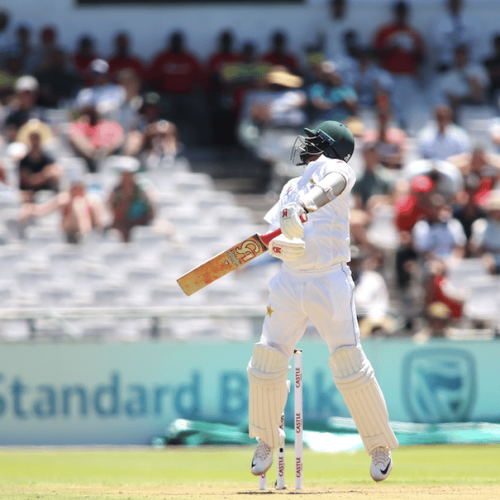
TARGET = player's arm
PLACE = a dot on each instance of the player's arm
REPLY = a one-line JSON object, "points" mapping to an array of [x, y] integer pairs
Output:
{"points": [[321, 194]]}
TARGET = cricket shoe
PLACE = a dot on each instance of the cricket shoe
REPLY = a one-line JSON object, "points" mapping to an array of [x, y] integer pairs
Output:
{"points": [[381, 463], [263, 456]]}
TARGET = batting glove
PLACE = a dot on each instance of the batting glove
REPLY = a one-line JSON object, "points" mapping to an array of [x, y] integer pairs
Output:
{"points": [[291, 220], [287, 250]]}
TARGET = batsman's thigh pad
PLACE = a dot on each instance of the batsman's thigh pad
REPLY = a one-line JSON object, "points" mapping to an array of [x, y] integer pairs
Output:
{"points": [[355, 379], [268, 391]]}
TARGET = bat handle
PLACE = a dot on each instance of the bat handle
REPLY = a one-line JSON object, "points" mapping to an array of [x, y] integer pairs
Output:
{"points": [[266, 238]]}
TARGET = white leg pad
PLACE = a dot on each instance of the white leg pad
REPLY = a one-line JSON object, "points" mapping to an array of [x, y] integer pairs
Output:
{"points": [[268, 391], [355, 379]]}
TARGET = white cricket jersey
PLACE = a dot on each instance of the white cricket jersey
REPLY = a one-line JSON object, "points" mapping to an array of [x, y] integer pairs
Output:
{"points": [[326, 232]]}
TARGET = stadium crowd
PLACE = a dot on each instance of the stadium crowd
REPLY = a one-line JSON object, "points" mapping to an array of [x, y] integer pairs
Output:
{"points": [[426, 205]]}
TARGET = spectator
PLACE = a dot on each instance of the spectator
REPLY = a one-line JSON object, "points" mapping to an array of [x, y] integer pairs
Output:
{"points": [[483, 168], [160, 146], [390, 140], [180, 79], [372, 84], [5, 40], [83, 56], [58, 85], [492, 66], [375, 184], [24, 48], [334, 24], [438, 323], [467, 210], [449, 31], [371, 294], [123, 59], [24, 105], [437, 288], [102, 93], [37, 170], [400, 50], [127, 114], [80, 211], [464, 82], [329, 98], [439, 235], [279, 56], [94, 138], [130, 203], [485, 238], [442, 138], [47, 46], [220, 94]]}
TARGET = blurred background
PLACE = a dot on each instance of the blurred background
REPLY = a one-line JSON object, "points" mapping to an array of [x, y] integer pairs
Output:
{"points": [[138, 139]]}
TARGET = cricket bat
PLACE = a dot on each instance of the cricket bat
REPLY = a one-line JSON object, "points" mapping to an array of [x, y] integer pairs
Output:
{"points": [[225, 262]]}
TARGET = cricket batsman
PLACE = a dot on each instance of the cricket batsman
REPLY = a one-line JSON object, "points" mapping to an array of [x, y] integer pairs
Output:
{"points": [[315, 284]]}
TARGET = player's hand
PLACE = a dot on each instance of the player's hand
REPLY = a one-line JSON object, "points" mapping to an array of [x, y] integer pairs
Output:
{"points": [[291, 220], [287, 250]]}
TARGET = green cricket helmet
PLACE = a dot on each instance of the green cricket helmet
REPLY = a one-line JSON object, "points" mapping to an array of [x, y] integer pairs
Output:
{"points": [[331, 138]]}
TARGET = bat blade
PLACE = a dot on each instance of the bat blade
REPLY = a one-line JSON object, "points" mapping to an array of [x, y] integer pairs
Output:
{"points": [[225, 262]]}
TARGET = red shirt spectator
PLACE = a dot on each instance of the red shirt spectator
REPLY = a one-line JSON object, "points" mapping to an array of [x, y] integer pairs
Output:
{"points": [[122, 58], [400, 47], [412, 207], [278, 56], [176, 71]]}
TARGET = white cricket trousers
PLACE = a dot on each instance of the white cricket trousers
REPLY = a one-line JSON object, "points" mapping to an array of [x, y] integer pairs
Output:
{"points": [[325, 298]]}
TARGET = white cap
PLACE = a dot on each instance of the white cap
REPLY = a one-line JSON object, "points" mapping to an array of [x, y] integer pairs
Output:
{"points": [[123, 163], [26, 83]]}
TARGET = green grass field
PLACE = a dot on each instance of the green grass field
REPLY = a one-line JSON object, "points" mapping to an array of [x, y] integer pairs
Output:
{"points": [[200, 473]]}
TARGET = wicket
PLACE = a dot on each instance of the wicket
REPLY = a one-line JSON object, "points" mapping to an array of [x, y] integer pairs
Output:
{"points": [[298, 429]]}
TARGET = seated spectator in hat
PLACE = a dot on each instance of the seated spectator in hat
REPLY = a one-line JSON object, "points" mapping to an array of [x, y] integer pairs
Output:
{"points": [[81, 212], [38, 169], [93, 138], [278, 55], [122, 58], [441, 138], [329, 98], [485, 238], [130, 202], [390, 140], [102, 93], [85, 53], [465, 82], [23, 106], [58, 85]]}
